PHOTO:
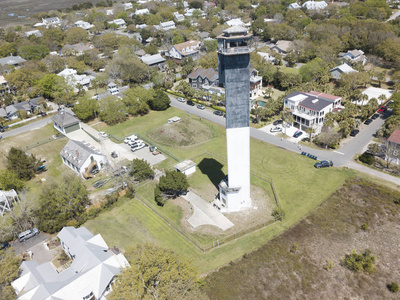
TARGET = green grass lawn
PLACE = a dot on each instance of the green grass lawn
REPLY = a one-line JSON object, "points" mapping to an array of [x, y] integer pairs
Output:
{"points": [[300, 187], [288, 70]]}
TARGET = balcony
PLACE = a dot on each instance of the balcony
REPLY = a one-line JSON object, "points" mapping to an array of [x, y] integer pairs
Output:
{"points": [[235, 50], [225, 188]]}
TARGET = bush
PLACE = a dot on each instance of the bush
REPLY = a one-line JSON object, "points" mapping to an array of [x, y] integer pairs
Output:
{"points": [[218, 108], [328, 264], [393, 287], [278, 214], [364, 226], [364, 262], [158, 197], [367, 158]]}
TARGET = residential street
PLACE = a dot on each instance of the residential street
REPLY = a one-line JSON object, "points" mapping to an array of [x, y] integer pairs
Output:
{"points": [[35, 125], [341, 157]]}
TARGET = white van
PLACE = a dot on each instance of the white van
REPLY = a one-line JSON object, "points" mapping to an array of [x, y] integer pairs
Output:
{"points": [[23, 236]]}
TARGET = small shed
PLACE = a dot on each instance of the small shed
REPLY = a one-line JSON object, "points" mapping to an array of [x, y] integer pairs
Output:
{"points": [[174, 120], [186, 167]]}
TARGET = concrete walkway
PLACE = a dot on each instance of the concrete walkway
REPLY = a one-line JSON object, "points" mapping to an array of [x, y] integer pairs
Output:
{"points": [[205, 214]]}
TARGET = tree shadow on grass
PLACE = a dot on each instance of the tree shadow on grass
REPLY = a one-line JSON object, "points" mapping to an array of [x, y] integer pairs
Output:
{"points": [[213, 169]]}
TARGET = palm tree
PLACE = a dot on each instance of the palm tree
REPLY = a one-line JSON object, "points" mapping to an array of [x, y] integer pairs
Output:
{"points": [[310, 131], [382, 98]]}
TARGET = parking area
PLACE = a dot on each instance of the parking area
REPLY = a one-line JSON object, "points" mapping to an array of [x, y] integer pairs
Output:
{"points": [[144, 153], [290, 131]]}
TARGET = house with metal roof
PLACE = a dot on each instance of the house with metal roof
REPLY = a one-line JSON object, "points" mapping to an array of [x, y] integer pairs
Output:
{"points": [[155, 60], [310, 109], [12, 60], [92, 271], [315, 5], [76, 49], [294, 6], [167, 25], [353, 56], [185, 50], [83, 24], [65, 122], [82, 158], [282, 46], [201, 77], [336, 72]]}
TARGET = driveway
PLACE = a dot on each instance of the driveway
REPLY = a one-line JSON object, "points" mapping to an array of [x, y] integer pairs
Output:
{"points": [[28, 244], [205, 214]]}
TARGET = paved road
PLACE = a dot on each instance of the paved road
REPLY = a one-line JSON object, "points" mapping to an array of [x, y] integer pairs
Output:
{"points": [[393, 16], [341, 157], [28, 127]]}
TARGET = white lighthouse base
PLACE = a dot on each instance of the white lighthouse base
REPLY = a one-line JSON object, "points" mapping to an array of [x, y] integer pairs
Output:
{"points": [[234, 191]]}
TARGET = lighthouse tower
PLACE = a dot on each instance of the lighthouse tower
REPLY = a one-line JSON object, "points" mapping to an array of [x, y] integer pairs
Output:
{"points": [[234, 47]]}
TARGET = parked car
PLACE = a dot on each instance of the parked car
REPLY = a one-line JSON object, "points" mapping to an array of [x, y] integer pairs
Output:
{"points": [[368, 121], [103, 134], [4, 245], [114, 154], [323, 164], [276, 129], [375, 116], [277, 122], [382, 109], [130, 139], [297, 134], [200, 106], [43, 114], [180, 99], [23, 236], [354, 132], [138, 146], [190, 102], [218, 113]]}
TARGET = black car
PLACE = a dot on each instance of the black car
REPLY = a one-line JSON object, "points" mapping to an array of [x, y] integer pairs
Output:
{"points": [[218, 113], [375, 116], [4, 245], [297, 134], [354, 132], [368, 121], [190, 102], [277, 122], [323, 164]]}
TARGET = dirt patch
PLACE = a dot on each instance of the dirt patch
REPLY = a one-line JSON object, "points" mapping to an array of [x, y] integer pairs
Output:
{"points": [[291, 266], [187, 132]]}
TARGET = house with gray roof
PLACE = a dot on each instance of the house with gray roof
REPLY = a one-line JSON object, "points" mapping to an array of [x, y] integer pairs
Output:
{"points": [[82, 158], [12, 60], [200, 77], [337, 71], [155, 60], [310, 109], [353, 56], [65, 122], [90, 276], [76, 49], [282, 46]]}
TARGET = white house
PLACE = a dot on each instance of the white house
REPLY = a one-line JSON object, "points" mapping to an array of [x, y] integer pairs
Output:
{"points": [[179, 17], [235, 22], [49, 22], [120, 22], [127, 6], [186, 49], [353, 56], [82, 158], [167, 25], [36, 33], [7, 199], [189, 12], [144, 11], [75, 80], [336, 72], [255, 83], [315, 5], [309, 109], [266, 56], [4, 88], [83, 25], [186, 167], [379, 94], [155, 60], [109, 12], [141, 26], [65, 122], [90, 276], [294, 6]]}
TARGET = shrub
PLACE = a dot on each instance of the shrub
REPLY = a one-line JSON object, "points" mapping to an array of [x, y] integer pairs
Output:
{"points": [[393, 287], [364, 262], [364, 226], [278, 214], [158, 197], [366, 158], [328, 264]]}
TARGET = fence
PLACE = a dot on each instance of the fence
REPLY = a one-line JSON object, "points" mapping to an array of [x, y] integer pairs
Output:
{"points": [[223, 240], [42, 142]]}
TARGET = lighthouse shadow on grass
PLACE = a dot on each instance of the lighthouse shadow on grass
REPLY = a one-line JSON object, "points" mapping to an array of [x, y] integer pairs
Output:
{"points": [[213, 169]]}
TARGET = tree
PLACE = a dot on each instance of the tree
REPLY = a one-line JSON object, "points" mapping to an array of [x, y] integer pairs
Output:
{"points": [[210, 45], [53, 87], [185, 88], [86, 109], [23, 165], [160, 101], [10, 181], [33, 52], [173, 183], [53, 38], [156, 273], [112, 110], [135, 100], [61, 202], [209, 61], [141, 169], [310, 131], [9, 271]]}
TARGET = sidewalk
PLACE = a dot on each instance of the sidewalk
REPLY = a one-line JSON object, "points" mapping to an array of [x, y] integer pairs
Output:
{"points": [[375, 173]]}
